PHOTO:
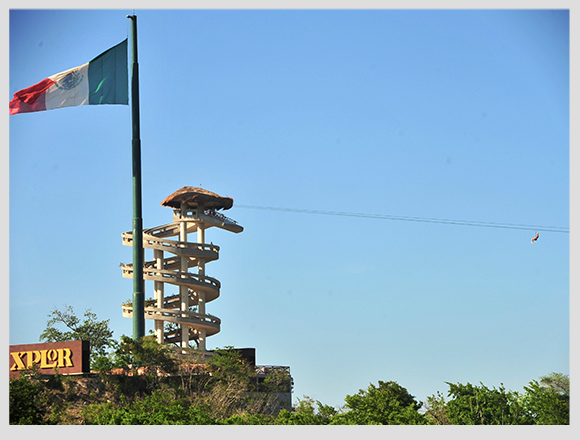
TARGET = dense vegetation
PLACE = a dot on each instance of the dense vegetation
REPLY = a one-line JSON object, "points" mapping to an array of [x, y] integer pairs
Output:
{"points": [[175, 389], [226, 392]]}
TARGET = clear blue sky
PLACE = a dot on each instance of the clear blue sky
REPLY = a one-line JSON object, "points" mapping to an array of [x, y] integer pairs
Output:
{"points": [[446, 114]]}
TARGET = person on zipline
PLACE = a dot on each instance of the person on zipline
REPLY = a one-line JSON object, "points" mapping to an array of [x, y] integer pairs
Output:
{"points": [[536, 237]]}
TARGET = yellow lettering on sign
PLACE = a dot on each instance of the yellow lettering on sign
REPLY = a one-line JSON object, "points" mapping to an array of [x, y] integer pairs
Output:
{"points": [[64, 357], [18, 364], [33, 357], [45, 359], [61, 357]]}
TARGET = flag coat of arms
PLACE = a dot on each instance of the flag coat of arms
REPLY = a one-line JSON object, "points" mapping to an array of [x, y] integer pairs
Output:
{"points": [[103, 80]]}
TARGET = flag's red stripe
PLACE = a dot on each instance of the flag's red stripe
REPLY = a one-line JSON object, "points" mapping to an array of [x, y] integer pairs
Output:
{"points": [[30, 99]]}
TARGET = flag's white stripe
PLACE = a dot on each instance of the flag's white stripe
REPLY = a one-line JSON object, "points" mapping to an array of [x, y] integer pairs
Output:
{"points": [[65, 93]]}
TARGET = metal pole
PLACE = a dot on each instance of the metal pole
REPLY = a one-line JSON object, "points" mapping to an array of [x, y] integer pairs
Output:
{"points": [[138, 285]]}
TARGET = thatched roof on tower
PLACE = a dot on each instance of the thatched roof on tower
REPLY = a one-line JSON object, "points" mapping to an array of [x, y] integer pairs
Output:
{"points": [[194, 196]]}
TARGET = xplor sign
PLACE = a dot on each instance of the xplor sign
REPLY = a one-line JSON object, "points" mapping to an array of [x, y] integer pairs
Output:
{"points": [[55, 358]]}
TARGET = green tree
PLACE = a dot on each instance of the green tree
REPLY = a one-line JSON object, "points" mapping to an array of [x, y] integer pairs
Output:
{"points": [[25, 402], [436, 410], [227, 365], [248, 419], [307, 412], [473, 405], [559, 382], [232, 389], [159, 408], [387, 404], [90, 329], [227, 391], [145, 353], [548, 402], [277, 380]]}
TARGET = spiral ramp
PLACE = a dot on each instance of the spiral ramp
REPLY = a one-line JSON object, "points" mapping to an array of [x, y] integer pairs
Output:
{"points": [[184, 312]]}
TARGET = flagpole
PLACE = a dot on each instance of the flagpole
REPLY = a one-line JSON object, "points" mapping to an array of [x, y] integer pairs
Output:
{"points": [[138, 285]]}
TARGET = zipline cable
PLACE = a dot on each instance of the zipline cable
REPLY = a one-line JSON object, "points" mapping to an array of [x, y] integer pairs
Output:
{"points": [[413, 219]]}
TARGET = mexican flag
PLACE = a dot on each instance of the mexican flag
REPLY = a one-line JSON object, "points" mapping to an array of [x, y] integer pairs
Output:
{"points": [[103, 80]]}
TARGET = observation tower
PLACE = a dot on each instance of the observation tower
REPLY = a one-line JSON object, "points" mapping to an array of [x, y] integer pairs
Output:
{"points": [[182, 317]]}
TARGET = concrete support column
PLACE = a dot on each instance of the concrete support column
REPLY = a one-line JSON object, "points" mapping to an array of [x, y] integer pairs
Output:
{"points": [[159, 297], [201, 340], [201, 295], [183, 291]]}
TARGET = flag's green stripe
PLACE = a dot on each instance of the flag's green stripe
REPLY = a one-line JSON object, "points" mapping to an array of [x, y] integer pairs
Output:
{"points": [[108, 76]]}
